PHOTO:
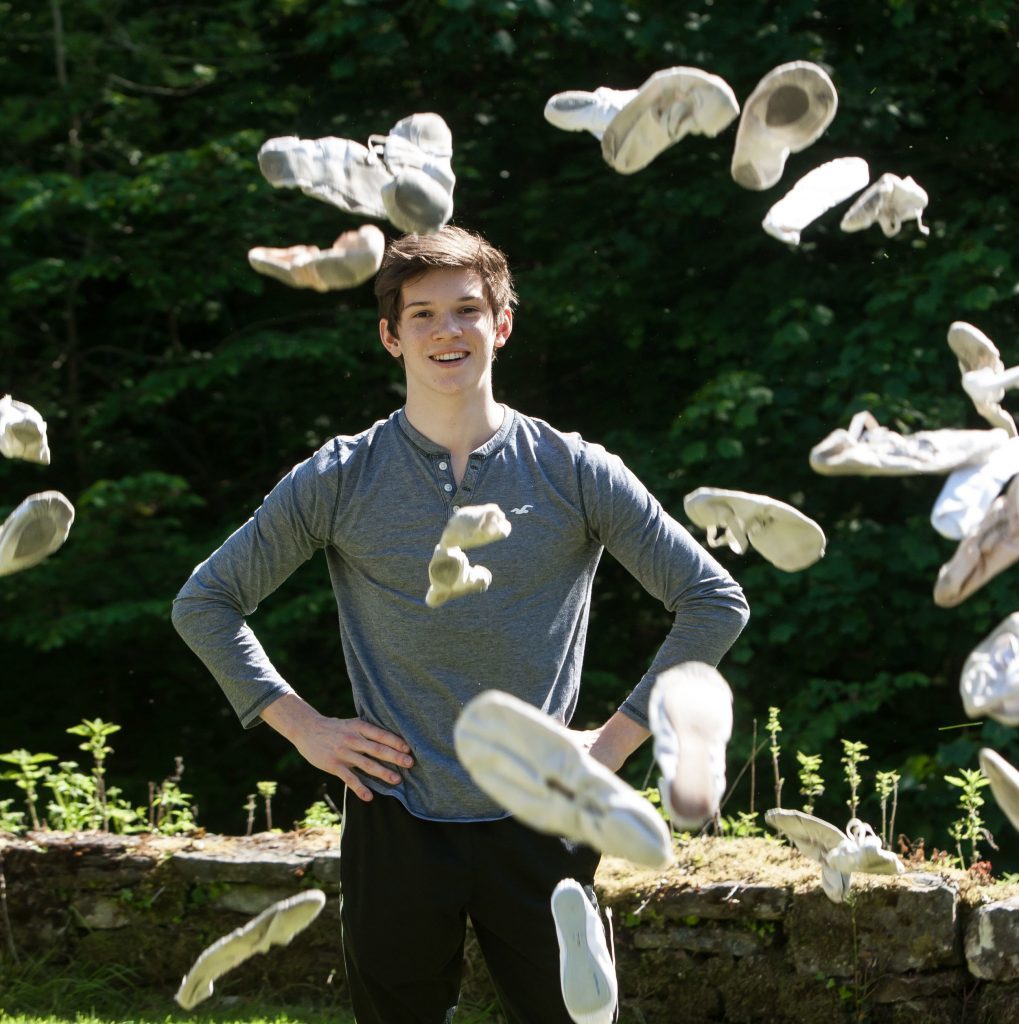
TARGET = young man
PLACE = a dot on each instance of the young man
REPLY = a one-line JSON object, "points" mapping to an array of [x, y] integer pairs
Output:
{"points": [[422, 847]]}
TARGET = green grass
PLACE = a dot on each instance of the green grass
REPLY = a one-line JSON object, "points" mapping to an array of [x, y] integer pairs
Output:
{"points": [[41, 992]]}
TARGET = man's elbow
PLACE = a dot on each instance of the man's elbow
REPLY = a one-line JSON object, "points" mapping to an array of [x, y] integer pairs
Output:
{"points": [[738, 608], [185, 608], [179, 614]]}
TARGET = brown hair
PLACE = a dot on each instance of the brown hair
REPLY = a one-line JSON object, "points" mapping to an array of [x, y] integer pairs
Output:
{"points": [[451, 248]]}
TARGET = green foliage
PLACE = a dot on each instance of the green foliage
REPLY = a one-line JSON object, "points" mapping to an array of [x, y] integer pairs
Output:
{"points": [[853, 755], [887, 786], [80, 800], [811, 781], [41, 990], [320, 815], [654, 797], [762, 929], [742, 825], [10, 820], [773, 728], [170, 808], [970, 826], [267, 790], [28, 771], [839, 988]]}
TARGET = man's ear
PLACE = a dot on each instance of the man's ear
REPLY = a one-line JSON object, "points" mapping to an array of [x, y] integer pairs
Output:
{"points": [[503, 327], [390, 342]]}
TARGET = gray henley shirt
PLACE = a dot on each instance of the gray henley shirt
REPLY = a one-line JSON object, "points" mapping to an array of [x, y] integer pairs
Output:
{"points": [[377, 502]]}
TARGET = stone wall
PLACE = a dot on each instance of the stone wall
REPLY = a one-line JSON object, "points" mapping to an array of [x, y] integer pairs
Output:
{"points": [[736, 931]]}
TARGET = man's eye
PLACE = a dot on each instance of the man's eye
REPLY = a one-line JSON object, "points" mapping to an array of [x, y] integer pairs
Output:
{"points": [[420, 313]]}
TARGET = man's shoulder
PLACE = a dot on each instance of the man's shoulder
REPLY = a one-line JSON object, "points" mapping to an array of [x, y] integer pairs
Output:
{"points": [[343, 449], [569, 443], [537, 429]]}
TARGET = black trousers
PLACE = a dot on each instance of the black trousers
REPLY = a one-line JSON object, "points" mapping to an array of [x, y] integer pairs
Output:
{"points": [[407, 888]]}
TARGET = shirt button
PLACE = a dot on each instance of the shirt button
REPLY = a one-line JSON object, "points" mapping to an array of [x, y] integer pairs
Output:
{"points": [[442, 465], [447, 487], [456, 508]]}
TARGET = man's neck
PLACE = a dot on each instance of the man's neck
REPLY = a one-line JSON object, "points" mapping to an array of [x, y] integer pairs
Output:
{"points": [[459, 427]]}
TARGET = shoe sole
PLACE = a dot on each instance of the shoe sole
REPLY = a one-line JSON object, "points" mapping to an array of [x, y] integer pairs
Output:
{"points": [[589, 995], [531, 766], [697, 702]]}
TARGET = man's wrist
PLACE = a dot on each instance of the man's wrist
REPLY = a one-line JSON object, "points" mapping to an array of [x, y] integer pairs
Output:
{"points": [[617, 739], [289, 715]]}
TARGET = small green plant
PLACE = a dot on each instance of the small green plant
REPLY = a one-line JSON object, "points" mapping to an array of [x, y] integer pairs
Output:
{"points": [[95, 732], [170, 809], [267, 790], [73, 804], [762, 929], [743, 826], [811, 782], [654, 798], [29, 770], [839, 988], [76, 803], [887, 786], [249, 808], [970, 827], [320, 815], [853, 755], [10, 820], [774, 728]]}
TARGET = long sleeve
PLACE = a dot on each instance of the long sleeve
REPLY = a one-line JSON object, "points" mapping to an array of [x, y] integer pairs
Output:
{"points": [[211, 609], [708, 604]]}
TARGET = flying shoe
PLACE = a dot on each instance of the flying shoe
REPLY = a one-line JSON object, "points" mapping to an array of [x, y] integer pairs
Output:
{"points": [[534, 767], [34, 530], [989, 683], [690, 715], [670, 105], [637, 125], [814, 194], [868, 449], [978, 356], [275, 926], [22, 432], [890, 201], [405, 176], [788, 110], [782, 534], [351, 260], [981, 555], [587, 972]]}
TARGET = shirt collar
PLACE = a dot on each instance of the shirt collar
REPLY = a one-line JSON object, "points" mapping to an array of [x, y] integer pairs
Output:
{"points": [[429, 447]]}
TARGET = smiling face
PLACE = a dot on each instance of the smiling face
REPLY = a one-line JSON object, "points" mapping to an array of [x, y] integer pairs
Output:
{"points": [[447, 335]]}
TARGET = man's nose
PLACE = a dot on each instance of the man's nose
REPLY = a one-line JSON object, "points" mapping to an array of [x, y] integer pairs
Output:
{"points": [[447, 323]]}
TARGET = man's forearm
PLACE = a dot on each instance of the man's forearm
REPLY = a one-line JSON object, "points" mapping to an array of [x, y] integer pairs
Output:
{"points": [[617, 739], [290, 715]]}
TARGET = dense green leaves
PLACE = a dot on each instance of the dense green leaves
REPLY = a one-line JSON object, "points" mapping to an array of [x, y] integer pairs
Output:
{"points": [[656, 317]]}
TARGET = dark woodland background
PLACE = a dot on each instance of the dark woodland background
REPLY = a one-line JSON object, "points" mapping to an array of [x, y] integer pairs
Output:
{"points": [[656, 317]]}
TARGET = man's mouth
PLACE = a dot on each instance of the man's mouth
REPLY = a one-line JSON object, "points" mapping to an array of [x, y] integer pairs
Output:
{"points": [[449, 357]]}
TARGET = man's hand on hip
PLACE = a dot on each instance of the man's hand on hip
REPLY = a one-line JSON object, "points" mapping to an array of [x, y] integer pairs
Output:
{"points": [[340, 746]]}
